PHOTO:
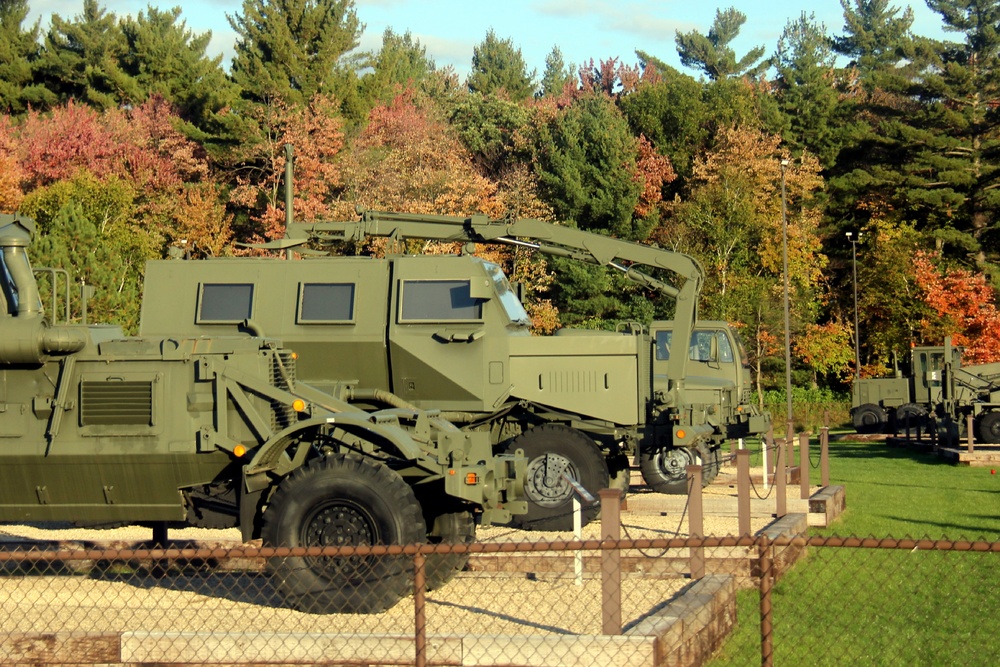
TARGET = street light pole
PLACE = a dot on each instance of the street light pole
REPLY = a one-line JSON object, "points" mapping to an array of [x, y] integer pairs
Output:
{"points": [[854, 269], [784, 256]]}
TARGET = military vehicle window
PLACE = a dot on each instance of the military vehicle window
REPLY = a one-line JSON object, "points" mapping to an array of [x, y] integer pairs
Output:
{"points": [[515, 311], [663, 345], [9, 288], [225, 302], [701, 345], [435, 300], [725, 349], [326, 302]]}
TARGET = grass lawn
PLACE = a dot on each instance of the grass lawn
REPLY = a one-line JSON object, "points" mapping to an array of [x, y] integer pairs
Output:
{"points": [[882, 607]]}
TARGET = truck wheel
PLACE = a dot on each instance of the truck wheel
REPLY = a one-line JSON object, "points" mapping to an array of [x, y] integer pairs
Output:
{"points": [[910, 417], [869, 418], [342, 500], [553, 450], [989, 428], [449, 528], [665, 469], [711, 462]]}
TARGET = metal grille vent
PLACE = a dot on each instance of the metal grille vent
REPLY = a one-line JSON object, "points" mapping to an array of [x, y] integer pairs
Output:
{"points": [[116, 403], [282, 415]]}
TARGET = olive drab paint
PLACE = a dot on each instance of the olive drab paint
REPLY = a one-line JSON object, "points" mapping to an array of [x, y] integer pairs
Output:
{"points": [[194, 428], [448, 333]]}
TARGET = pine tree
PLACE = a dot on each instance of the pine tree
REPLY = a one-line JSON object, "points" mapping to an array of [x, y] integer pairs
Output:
{"points": [[557, 74], [712, 54], [19, 52], [81, 57], [295, 49], [401, 62], [164, 57], [498, 65], [875, 36], [806, 88], [951, 175]]}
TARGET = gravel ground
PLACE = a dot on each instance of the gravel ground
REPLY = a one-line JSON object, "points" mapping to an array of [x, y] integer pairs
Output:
{"points": [[119, 597]]}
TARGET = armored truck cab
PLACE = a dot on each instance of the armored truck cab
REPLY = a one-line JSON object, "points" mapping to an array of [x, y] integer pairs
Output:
{"points": [[218, 431]]}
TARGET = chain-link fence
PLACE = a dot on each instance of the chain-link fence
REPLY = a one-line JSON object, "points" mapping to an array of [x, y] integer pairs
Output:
{"points": [[506, 601]]}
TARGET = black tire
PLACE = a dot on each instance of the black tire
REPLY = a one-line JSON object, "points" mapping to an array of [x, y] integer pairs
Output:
{"points": [[448, 528], [551, 450], [869, 418], [711, 462], [989, 428], [665, 469], [342, 500], [910, 417]]}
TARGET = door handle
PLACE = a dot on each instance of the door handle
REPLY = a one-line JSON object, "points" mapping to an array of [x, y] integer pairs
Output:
{"points": [[460, 336]]}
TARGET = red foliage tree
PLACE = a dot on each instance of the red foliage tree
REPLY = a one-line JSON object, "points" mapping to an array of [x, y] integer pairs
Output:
{"points": [[964, 306]]}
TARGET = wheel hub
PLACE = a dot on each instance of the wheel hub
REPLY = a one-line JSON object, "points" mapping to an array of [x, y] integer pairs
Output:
{"points": [[673, 462], [338, 524], [545, 484]]}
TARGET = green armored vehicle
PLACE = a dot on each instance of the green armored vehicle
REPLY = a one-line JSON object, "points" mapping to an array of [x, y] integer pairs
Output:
{"points": [[98, 429], [935, 383], [449, 333]]}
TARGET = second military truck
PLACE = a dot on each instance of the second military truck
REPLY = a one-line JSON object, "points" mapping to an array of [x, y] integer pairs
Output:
{"points": [[448, 332]]}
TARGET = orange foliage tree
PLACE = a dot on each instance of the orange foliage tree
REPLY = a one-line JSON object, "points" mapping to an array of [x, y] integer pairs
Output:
{"points": [[315, 130], [963, 306]]}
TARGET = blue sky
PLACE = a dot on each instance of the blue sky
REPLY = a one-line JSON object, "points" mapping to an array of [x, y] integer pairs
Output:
{"points": [[582, 29]]}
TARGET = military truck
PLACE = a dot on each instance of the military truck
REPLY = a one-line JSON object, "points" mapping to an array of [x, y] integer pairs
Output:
{"points": [[219, 431], [449, 332], [936, 383]]}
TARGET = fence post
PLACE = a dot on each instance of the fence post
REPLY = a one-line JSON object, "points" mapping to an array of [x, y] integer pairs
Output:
{"points": [[766, 618], [419, 609], [696, 521], [804, 466], [968, 432], [611, 583], [789, 439], [769, 461], [824, 456], [743, 490], [781, 502]]}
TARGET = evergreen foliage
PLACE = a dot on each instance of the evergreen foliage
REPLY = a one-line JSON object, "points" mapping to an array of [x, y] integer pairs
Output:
{"points": [[498, 65], [294, 49], [19, 53], [712, 54]]}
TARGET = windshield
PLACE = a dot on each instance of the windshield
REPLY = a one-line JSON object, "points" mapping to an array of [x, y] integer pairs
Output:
{"points": [[700, 347], [515, 311]]}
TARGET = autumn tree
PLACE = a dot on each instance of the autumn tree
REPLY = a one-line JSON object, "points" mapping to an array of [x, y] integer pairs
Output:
{"points": [[732, 222], [315, 131], [962, 305], [498, 65], [712, 54]]}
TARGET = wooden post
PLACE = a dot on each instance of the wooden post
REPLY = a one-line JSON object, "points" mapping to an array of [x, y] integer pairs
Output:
{"points": [[824, 456], [611, 584], [743, 490], [696, 521], [781, 503], [766, 618], [419, 608], [968, 432], [804, 466]]}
